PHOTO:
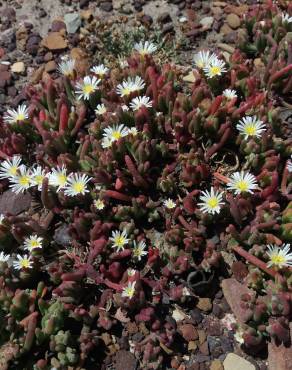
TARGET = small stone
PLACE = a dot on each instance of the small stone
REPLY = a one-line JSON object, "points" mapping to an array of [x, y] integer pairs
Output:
{"points": [[204, 349], [202, 336], [12, 91], [225, 29], [58, 25], [233, 361], [5, 78], [83, 3], [164, 18], [72, 21], [14, 203], [204, 304], [86, 14], [106, 6], [167, 28], [51, 66], [55, 41], [188, 332], [279, 356], [48, 56], [18, 67], [216, 365], [233, 21], [207, 22], [192, 345], [37, 75], [82, 63], [125, 360], [189, 77]]}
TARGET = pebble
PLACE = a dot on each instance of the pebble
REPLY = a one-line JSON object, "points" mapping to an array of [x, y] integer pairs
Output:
{"points": [[18, 67], [216, 365], [106, 6], [207, 22], [72, 21], [204, 304], [233, 361], [55, 41], [5, 78], [233, 21], [188, 332], [51, 66]]}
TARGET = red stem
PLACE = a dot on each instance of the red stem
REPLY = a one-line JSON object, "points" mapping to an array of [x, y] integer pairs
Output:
{"points": [[117, 195], [136, 175]]}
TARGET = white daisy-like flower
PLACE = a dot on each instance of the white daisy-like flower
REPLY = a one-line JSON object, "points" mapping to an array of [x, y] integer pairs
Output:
{"points": [[125, 108], [133, 131], [58, 177], [241, 182], [119, 239], [286, 18], [139, 250], [4, 257], [169, 203], [131, 272], [130, 85], [16, 115], [76, 184], [101, 70], [2, 218], [37, 176], [141, 101], [129, 290], [138, 83], [203, 58], [238, 336], [22, 180], [229, 94], [279, 256], [66, 67], [87, 87], [33, 242], [215, 68], [145, 48], [123, 62], [22, 262], [100, 109], [289, 165], [99, 204], [251, 126], [10, 167], [112, 134], [211, 201]]}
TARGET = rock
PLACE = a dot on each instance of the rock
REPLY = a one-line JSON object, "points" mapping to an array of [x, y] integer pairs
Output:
{"points": [[106, 6], [54, 41], [125, 360], [7, 352], [204, 304], [12, 91], [18, 67], [51, 66], [72, 21], [32, 44], [279, 357], [239, 270], [196, 315], [226, 47], [37, 75], [216, 365], [188, 332], [204, 349], [58, 25], [86, 14], [83, 3], [225, 29], [14, 203], [164, 18], [233, 291], [202, 336], [189, 77], [207, 22], [192, 346], [233, 21], [82, 63], [167, 28], [233, 361], [5, 78]]}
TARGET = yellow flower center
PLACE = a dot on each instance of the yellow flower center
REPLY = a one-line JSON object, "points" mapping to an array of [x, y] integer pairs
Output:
{"points": [[88, 89], [116, 135], [215, 70], [126, 91], [277, 259], [120, 241], [24, 263], [213, 202], [34, 244], [39, 179], [242, 185], [78, 187], [61, 179], [130, 292], [250, 130], [24, 180], [12, 170], [99, 204], [20, 117]]}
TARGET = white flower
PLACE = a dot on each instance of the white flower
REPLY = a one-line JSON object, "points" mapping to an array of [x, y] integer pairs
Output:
{"points": [[119, 239], [2, 218], [24, 262], [76, 184], [138, 83], [279, 257], [58, 177], [130, 85], [112, 134], [101, 70], [122, 62], [138, 250], [16, 115], [129, 290], [4, 257], [99, 204], [66, 67], [286, 18], [85, 88], [10, 167], [203, 58], [242, 182], [21, 181], [229, 94], [289, 165], [145, 48], [141, 101], [100, 109], [211, 201], [169, 203], [238, 336], [125, 108], [250, 126], [132, 131], [131, 272], [37, 176], [215, 68], [33, 242]]}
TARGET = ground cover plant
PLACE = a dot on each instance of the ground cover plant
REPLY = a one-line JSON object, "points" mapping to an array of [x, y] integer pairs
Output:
{"points": [[140, 182]]}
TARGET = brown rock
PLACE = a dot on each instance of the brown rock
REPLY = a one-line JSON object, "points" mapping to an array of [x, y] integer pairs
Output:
{"points": [[51, 66], [82, 63], [5, 78], [225, 29], [233, 21], [86, 14], [204, 304], [204, 348], [14, 203], [188, 332], [125, 361], [216, 365], [55, 41], [233, 291], [37, 75], [18, 67], [202, 336], [279, 357]]}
